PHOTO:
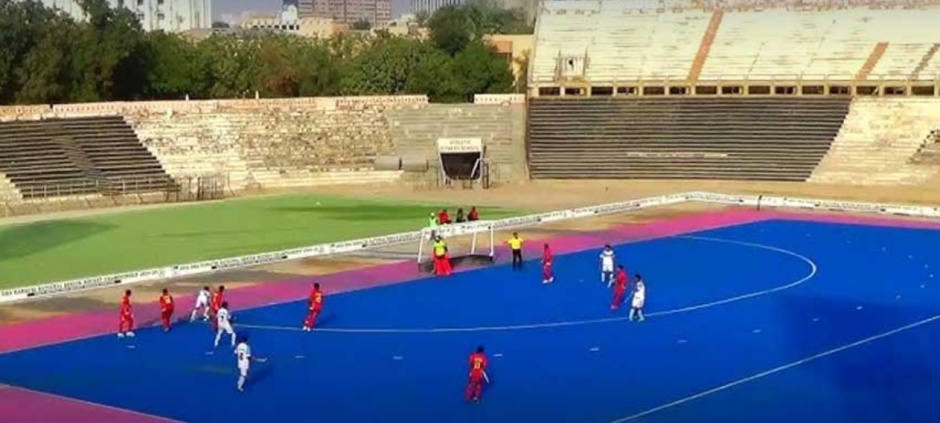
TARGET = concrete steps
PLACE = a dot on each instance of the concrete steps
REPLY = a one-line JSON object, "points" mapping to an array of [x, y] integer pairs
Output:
{"points": [[879, 143], [675, 138], [270, 147], [501, 127]]}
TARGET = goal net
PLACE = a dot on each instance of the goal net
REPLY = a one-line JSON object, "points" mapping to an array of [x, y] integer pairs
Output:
{"points": [[472, 243]]}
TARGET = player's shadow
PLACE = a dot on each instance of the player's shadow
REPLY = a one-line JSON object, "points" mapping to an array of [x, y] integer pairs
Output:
{"points": [[898, 369], [260, 372], [326, 319]]}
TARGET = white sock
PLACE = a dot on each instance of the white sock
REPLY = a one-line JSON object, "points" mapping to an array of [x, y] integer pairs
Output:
{"points": [[241, 382], [233, 339], [218, 336], [632, 313]]}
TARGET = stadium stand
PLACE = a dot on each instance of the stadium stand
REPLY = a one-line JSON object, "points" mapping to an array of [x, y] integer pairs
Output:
{"points": [[929, 153], [682, 137], [78, 156], [899, 61], [272, 144], [37, 161], [111, 151], [879, 142], [604, 42], [500, 126], [8, 191], [930, 67]]}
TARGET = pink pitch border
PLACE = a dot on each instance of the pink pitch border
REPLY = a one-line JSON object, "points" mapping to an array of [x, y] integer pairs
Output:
{"points": [[26, 406]]}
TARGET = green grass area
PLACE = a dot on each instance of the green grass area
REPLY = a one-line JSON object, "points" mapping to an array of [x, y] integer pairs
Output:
{"points": [[73, 248]]}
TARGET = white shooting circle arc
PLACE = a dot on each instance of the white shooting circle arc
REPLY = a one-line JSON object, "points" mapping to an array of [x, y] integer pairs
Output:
{"points": [[809, 276]]}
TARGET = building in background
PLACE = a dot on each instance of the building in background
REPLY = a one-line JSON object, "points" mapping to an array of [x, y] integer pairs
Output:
{"points": [[515, 49], [529, 7], [154, 15], [289, 21], [376, 12], [430, 6]]}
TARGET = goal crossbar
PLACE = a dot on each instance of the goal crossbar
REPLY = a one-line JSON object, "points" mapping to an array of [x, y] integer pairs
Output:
{"points": [[478, 232]]}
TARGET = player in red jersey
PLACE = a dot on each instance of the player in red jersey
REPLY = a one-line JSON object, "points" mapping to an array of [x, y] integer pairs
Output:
{"points": [[218, 297], [126, 326], [315, 305], [166, 309], [478, 376], [547, 263], [620, 288]]}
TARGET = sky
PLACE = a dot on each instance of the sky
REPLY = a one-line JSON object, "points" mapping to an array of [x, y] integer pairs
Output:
{"points": [[222, 9]]}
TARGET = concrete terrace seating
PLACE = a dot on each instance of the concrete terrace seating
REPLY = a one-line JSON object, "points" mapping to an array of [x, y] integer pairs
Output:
{"points": [[900, 60], [566, 28], [633, 45], [416, 131], [878, 142], [762, 45], [39, 165], [625, 41], [270, 147], [8, 191], [929, 153], [621, 40], [77, 156], [114, 151], [931, 70], [191, 145], [682, 137]]}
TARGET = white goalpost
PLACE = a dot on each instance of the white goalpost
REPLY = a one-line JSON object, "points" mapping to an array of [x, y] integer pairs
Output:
{"points": [[472, 243]]}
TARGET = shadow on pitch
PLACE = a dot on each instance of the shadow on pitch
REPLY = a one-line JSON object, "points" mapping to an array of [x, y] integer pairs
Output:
{"points": [[24, 240]]}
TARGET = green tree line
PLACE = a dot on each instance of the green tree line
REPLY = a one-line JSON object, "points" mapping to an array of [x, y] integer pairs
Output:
{"points": [[46, 57]]}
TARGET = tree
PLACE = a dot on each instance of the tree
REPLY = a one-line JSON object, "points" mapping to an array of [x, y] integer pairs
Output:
{"points": [[451, 29], [489, 18], [478, 69], [432, 74], [45, 75], [226, 67], [381, 69], [34, 50], [220, 25], [170, 66], [107, 54], [362, 25], [402, 65], [421, 18]]}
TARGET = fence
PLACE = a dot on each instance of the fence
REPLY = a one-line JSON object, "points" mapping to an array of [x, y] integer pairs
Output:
{"points": [[184, 188]]}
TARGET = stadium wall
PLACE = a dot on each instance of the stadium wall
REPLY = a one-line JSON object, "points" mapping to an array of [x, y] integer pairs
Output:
{"points": [[500, 121], [279, 143]]}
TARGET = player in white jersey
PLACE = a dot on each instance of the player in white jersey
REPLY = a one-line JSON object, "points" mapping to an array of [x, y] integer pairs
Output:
{"points": [[225, 324], [607, 265], [639, 299], [202, 301], [243, 354]]}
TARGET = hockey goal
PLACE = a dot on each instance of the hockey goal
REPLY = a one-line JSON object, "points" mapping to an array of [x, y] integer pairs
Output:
{"points": [[472, 243]]}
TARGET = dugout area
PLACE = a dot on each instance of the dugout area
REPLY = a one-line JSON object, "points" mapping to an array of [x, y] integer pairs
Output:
{"points": [[762, 307]]}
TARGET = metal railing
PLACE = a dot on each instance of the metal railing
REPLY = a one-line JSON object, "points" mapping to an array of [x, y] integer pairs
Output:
{"points": [[184, 188]]}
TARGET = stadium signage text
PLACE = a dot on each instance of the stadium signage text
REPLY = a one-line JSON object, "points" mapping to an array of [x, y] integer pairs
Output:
{"points": [[459, 145]]}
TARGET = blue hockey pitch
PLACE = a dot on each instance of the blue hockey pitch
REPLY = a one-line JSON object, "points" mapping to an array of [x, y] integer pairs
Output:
{"points": [[778, 321]]}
